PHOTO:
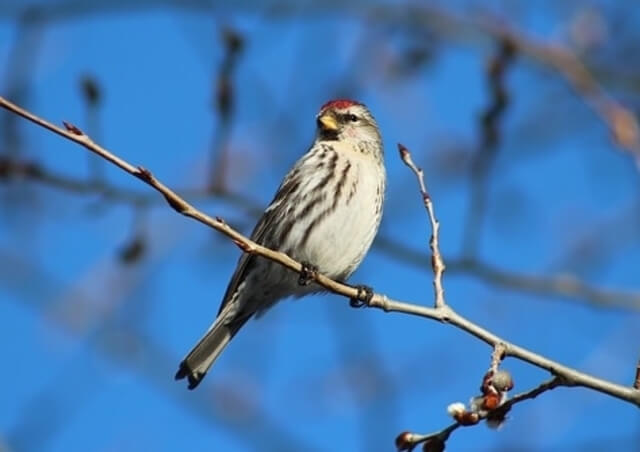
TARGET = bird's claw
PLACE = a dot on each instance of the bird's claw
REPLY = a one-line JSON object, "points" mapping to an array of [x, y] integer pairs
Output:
{"points": [[362, 298], [307, 274]]}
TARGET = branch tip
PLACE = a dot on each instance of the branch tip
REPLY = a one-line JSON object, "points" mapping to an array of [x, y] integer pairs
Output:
{"points": [[404, 152], [405, 441]]}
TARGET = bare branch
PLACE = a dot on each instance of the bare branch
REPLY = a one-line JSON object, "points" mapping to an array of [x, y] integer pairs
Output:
{"points": [[92, 97], [533, 393], [566, 286], [34, 171], [621, 122], [224, 103], [437, 263], [408, 440], [488, 144], [496, 357], [490, 404], [444, 313]]}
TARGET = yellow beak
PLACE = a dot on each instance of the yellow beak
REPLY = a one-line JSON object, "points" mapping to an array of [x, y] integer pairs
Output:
{"points": [[328, 122]]}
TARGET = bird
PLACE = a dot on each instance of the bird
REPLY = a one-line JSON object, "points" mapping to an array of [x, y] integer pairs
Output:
{"points": [[325, 214]]}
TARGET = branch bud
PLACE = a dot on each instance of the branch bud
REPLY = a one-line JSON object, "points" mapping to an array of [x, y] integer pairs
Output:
{"points": [[405, 441], [502, 381]]}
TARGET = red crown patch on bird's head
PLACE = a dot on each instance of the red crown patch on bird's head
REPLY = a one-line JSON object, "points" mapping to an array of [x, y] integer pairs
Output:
{"points": [[339, 103]]}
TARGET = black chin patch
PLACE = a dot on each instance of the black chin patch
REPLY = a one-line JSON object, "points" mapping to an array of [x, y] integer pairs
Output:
{"points": [[328, 135]]}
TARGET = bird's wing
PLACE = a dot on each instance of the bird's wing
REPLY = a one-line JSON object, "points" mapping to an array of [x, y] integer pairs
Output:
{"points": [[244, 263], [258, 235]]}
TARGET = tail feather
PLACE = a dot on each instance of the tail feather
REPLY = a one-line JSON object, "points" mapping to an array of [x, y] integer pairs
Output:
{"points": [[196, 364]]}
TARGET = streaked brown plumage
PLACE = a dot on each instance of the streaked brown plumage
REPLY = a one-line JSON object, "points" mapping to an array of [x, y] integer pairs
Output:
{"points": [[326, 213]]}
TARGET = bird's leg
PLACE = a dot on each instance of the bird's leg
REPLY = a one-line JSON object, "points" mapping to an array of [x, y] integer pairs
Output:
{"points": [[362, 298], [307, 274]]}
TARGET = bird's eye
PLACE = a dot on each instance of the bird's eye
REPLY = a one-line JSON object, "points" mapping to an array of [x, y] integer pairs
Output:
{"points": [[351, 117]]}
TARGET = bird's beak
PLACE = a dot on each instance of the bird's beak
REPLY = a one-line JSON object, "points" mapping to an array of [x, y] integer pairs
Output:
{"points": [[328, 122]]}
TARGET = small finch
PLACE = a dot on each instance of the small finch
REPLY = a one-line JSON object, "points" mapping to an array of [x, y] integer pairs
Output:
{"points": [[325, 214]]}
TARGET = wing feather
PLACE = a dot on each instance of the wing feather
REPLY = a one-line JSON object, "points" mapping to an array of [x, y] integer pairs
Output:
{"points": [[245, 263]]}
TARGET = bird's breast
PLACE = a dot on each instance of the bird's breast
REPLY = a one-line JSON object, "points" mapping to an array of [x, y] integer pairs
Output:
{"points": [[337, 225]]}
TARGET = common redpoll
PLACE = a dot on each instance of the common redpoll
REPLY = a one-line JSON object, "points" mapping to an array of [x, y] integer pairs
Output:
{"points": [[325, 214]]}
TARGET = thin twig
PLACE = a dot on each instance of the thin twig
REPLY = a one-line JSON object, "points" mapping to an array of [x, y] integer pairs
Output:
{"points": [[621, 121], [224, 104], [497, 355], [92, 96], [34, 171], [411, 440], [566, 286], [437, 263], [560, 59], [17, 74], [444, 313], [488, 144]]}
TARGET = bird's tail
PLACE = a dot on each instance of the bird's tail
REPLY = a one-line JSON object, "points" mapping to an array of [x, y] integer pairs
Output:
{"points": [[196, 364]]}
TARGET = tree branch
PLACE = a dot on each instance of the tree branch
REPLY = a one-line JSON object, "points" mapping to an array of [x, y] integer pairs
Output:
{"points": [[621, 121], [437, 263], [486, 153], [443, 313], [567, 286], [407, 441]]}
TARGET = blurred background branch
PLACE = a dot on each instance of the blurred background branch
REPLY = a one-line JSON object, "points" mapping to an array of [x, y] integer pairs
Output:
{"points": [[565, 285]]}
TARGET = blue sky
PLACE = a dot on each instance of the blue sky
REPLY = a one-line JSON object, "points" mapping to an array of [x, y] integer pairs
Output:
{"points": [[91, 345]]}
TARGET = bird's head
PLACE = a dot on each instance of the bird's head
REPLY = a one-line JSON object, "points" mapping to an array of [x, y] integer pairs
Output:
{"points": [[344, 119]]}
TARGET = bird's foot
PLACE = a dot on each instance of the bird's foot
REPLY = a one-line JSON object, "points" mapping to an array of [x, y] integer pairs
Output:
{"points": [[307, 274], [362, 298]]}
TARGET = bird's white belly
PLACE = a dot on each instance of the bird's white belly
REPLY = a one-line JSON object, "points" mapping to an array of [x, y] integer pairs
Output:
{"points": [[338, 244]]}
